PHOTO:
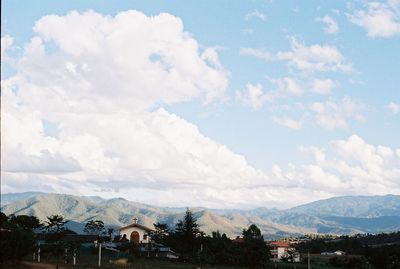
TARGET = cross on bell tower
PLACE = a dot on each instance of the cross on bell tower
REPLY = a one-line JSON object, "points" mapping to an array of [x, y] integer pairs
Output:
{"points": [[135, 220]]}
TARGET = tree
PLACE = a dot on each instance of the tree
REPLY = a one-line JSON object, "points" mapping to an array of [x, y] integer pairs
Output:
{"points": [[379, 257], [94, 227], [254, 251], [15, 241], [218, 249], [110, 232], [253, 232], [28, 223], [55, 231], [55, 224], [188, 226], [3, 219], [184, 239], [160, 233]]}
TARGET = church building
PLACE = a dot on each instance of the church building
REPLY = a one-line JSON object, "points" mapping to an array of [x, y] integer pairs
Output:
{"points": [[135, 232]]}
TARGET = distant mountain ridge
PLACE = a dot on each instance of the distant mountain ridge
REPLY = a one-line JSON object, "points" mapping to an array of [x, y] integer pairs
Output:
{"points": [[353, 206], [7, 198], [340, 215]]}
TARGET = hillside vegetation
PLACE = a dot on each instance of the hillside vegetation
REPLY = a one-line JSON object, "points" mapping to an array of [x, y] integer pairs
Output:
{"points": [[341, 215]]}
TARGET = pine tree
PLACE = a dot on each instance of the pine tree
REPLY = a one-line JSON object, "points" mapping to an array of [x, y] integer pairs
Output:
{"points": [[160, 233], [55, 228], [186, 235]]}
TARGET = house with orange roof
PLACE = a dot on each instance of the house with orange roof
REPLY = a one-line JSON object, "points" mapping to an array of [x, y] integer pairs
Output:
{"points": [[283, 250]]}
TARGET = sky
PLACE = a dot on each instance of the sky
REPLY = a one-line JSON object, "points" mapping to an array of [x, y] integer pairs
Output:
{"points": [[222, 104]]}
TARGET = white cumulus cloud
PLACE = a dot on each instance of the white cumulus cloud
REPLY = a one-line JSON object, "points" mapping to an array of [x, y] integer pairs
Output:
{"points": [[6, 43], [331, 27], [353, 163], [393, 107], [379, 19], [322, 86], [288, 86], [258, 53], [312, 58], [288, 122], [253, 96], [256, 14], [100, 86], [336, 114]]}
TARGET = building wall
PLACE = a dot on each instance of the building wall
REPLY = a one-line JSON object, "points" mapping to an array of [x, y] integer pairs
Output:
{"points": [[281, 251], [141, 232]]}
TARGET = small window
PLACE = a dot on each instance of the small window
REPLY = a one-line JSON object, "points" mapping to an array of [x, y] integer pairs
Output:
{"points": [[145, 237]]}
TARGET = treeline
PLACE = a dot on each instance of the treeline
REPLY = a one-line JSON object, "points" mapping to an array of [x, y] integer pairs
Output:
{"points": [[381, 251], [378, 239], [194, 246], [18, 237], [186, 239], [20, 234]]}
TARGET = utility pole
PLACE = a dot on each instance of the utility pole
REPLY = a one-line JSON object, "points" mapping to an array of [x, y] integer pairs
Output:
{"points": [[38, 254], [98, 244], [74, 256], [201, 250], [99, 254]]}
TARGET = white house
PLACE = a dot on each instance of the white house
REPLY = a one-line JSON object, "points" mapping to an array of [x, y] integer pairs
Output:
{"points": [[281, 250], [339, 253], [135, 232], [278, 249]]}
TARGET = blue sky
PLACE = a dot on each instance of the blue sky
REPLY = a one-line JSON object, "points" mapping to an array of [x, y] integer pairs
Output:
{"points": [[288, 97]]}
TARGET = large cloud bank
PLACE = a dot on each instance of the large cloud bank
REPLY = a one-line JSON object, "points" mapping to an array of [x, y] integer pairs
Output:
{"points": [[84, 114]]}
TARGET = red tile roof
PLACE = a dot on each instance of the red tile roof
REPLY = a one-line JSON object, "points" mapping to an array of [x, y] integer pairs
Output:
{"points": [[280, 244]]}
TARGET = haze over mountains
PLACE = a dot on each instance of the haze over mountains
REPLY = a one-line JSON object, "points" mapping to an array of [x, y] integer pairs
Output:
{"points": [[340, 215]]}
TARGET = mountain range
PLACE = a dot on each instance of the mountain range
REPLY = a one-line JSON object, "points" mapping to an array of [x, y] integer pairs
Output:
{"points": [[339, 215]]}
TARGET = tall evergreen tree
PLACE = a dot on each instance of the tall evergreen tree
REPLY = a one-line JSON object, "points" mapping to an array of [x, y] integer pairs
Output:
{"points": [[188, 226], [160, 233], [186, 235]]}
